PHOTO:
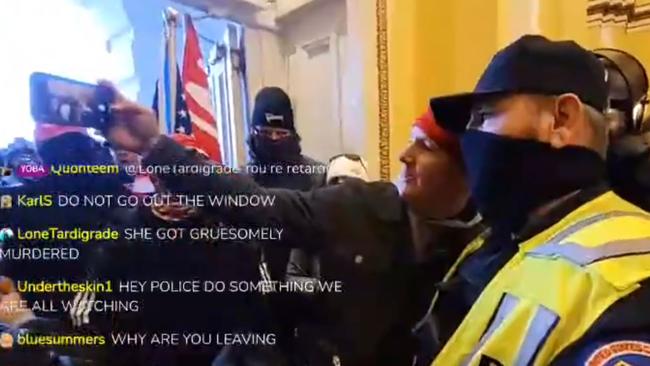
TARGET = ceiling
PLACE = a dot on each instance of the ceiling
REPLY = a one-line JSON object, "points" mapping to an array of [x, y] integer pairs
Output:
{"points": [[247, 6]]}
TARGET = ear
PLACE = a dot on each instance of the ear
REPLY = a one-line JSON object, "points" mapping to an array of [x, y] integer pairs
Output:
{"points": [[569, 117]]}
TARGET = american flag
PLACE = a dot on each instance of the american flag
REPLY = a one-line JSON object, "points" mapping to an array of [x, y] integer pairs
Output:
{"points": [[179, 116], [183, 105], [197, 91]]}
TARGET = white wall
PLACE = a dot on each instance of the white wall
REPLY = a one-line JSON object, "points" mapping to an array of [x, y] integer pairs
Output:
{"points": [[265, 61], [314, 39], [312, 59]]}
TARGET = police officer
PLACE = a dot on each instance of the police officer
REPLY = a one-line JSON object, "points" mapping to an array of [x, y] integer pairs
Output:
{"points": [[562, 278], [629, 153]]}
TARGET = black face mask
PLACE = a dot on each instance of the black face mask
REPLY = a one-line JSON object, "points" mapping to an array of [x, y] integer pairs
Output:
{"points": [[509, 178], [267, 150]]}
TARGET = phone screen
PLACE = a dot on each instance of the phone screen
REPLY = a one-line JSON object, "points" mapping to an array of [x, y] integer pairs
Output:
{"points": [[62, 101]]}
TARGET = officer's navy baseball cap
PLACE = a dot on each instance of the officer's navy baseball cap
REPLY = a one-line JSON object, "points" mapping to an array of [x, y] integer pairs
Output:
{"points": [[531, 65]]}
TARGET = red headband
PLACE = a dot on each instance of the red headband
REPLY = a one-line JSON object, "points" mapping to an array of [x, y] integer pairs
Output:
{"points": [[445, 140], [47, 131]]}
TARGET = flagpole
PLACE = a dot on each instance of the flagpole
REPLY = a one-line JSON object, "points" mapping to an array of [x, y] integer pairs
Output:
{"points": [[167, 81]]}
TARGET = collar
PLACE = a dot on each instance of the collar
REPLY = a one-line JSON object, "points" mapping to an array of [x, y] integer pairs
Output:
{"points": [[479, 268], [466, 219], [550, 214]]}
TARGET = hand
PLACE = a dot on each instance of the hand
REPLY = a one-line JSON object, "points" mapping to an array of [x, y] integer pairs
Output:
{"points": [[133, 127], [12, 309]]}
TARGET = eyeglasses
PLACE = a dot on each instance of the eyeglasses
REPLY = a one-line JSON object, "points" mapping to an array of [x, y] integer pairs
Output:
{"points": [[483, 111], [477, 119], [495, 106], [272, 132]]}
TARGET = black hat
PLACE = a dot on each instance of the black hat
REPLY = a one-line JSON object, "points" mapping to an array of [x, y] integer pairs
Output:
{"points": [[273, 109], [531, 65]]}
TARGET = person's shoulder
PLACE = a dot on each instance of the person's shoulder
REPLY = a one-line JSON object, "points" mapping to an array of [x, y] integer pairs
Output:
{"points": [[380, 199], [317, 171], [623, 331], [631, 348], [310, 161]]}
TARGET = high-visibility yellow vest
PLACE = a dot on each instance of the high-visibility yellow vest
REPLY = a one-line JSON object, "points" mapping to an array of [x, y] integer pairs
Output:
{"points": [[555, 287]]}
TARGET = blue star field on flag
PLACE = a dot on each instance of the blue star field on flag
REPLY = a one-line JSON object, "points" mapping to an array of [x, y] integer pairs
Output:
{"points": [[181, 116]]}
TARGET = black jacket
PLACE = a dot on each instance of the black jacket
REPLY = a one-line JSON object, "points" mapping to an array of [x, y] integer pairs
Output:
{"points": [[126, 260], [282, 261], [363, 236], [79, 270]]}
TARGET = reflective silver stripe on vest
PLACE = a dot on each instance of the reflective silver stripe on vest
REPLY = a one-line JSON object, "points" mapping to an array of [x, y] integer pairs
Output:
{"points": [[583, 256], [543, 323], [545, 320], [507, 305], [592, 220]]}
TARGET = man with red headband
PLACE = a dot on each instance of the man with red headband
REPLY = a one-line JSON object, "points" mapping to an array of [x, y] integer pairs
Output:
{"points": [[385, 245]]}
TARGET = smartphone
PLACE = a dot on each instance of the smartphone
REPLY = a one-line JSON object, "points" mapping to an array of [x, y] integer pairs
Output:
{"points": [[62, 101]]}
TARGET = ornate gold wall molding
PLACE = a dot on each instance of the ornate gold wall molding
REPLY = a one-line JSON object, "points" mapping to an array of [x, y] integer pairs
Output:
{"points": [[633, 15], [382, 82]]}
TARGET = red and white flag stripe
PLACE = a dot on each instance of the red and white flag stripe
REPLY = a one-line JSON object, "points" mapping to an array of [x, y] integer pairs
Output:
{"points": [[197, 94]]}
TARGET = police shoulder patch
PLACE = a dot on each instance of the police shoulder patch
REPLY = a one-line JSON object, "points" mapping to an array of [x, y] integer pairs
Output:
{"points": [[621, 353]]}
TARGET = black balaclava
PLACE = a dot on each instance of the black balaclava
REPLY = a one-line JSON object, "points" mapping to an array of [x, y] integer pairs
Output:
{"points": [[267, 151], [273, 109], [509, 177]]}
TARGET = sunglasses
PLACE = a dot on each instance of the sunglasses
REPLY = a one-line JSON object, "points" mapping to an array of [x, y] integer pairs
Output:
{"points": [[280, 133], [353, 157]]}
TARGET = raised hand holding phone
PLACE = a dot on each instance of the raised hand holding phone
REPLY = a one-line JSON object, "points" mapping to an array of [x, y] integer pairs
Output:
{"points": [[132, 127], [62, 101]]}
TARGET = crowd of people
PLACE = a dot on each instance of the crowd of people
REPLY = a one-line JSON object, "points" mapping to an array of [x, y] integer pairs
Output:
{"points": [[517, 234]]}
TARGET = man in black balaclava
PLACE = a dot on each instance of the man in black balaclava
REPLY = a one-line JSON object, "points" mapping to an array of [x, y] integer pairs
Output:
{"points": [[274, 145], [274, 142]]}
